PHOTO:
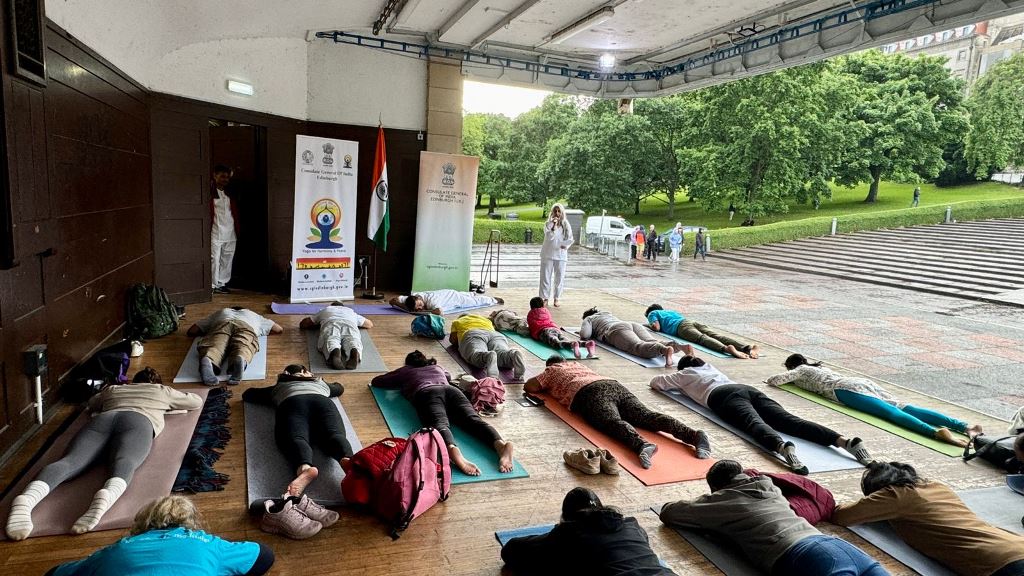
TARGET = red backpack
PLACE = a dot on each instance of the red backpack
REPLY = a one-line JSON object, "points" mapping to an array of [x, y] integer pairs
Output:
{"points": [[367, 467], [420, 477]]}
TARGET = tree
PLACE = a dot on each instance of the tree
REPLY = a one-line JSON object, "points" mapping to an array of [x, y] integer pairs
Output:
{"points": [[996, 139], [486, 136], [603, 161], [907, 111], [766, 139], [674, 121]]}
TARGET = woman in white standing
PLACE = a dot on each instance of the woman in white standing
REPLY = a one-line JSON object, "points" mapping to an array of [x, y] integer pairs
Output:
{"points": [[554, 253]]}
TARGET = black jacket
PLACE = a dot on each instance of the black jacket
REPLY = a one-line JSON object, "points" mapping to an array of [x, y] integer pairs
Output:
{"points": [[602, 543]]}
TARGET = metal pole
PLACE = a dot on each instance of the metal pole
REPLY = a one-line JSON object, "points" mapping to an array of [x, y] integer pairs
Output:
{"points": [[39, 398], [707, 242], [834, 224], [949, 214]]}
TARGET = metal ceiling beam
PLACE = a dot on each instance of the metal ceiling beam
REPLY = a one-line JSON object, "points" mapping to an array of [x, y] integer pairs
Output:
{"points": [[458, 15], [503, 22]]}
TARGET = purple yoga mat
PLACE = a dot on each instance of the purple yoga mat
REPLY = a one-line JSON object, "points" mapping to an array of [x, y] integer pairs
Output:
{"points": [[154, 478], [377, 310], [304, 309], [504, 374], [311, 309]]}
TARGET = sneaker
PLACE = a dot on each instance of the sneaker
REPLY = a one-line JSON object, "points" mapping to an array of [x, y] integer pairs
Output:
{"points": [[289, 522], [316, 512], [788, 452], [591, 349], [518, 365], [855, 446], [584, 460], [646, 454], [609, 465], [136, 349], [221, 290], [353, 360]]}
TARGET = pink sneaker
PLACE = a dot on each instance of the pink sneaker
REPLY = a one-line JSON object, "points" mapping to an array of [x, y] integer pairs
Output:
{"points": [[314, 511], [289, 521], [591, 347], [576, 348]]}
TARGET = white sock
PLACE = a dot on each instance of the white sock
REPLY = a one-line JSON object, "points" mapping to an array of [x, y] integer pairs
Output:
{"points": [[101, 502], [19, 522]]}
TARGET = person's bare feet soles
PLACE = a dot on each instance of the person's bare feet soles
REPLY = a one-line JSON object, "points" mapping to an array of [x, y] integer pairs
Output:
{"points": [[736, 353], [668, 356], [460, 462], [504, 456], [305, 477], [947, 436], [974, 430], [755, 350]]}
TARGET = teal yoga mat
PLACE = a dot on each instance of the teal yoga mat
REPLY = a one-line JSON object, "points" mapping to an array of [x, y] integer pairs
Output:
{"points": [[697, 346], [542, 351], [403, 421]]}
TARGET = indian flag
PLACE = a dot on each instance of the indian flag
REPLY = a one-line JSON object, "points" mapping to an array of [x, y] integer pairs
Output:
{"points": [[380, 218]]}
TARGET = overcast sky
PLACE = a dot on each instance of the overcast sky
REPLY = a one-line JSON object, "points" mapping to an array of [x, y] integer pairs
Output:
{"points": [[497, 99]]}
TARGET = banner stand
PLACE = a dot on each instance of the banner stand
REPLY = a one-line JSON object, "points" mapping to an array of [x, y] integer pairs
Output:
{"points": [[372, 294]]}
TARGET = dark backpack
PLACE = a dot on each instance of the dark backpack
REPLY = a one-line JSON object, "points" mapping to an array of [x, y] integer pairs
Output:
{"points": [[151, 314], [997, 451]]}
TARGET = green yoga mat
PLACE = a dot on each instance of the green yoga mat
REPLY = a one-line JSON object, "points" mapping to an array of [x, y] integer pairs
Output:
{"points": [[947, 449], [695, 346], [403, 421], [540, 350]]}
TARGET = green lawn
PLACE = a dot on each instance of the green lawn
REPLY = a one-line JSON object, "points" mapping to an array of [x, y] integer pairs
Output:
{"points": [[845, 201]]}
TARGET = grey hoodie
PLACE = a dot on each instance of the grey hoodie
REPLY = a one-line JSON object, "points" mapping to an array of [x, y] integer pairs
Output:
{"points": [[751, 512]]}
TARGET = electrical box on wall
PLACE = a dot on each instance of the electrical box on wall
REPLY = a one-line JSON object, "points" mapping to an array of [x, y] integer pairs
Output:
{"points": [[34, 360]]}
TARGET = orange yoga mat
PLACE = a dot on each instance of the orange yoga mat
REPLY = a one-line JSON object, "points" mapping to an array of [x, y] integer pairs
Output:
{"points": [[674, 461]]}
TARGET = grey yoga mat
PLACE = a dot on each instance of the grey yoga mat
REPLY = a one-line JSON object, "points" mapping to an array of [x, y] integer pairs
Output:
{"points": [[658, 362], [725, 555], [268, 471], [189, 370], [371, 361], [817, 458]]}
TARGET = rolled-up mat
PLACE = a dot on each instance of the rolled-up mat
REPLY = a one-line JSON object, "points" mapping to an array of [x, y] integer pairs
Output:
{"points": [[817, 458], [56, 513], [543, 351], [725, 555], [402, 421], [504, 374], [504, 536], [947, 449], [658, 362], [189, 370], [370, 362], [674, 461], [268, 471]]}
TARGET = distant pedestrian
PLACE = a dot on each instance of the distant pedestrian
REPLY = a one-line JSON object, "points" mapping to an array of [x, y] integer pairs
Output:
{"points": [[651, 251], [638, 242], [732, 211], [699, 246], [675, 241], [917, 197]]}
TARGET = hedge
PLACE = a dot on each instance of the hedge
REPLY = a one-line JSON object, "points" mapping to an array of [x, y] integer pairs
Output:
{"points": [[511, 230]]}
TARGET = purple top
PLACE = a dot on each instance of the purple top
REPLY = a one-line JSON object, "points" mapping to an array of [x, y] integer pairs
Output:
{"points": [[410, 379]]}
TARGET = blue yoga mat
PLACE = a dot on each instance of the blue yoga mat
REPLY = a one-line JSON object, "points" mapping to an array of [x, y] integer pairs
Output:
{"points": [[402, 421], [817, 458], [504, 536]]}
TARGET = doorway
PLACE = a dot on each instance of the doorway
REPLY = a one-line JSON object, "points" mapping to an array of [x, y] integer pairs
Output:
{"points": [[243, 149]]}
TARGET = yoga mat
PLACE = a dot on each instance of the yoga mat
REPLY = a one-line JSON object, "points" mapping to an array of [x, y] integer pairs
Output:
{"points": [[402, 421], [153, 479], [947, 449], [725, 555], [698, 346], [1016, 483], [189, 371], [543, 351], [817, 458], [504, 536], [999, 506], [370, 362], [268, 471], [444, 312], [504, 374], [658, 362], [883, 537], [375, 310], [297, 308], [674, 461]]}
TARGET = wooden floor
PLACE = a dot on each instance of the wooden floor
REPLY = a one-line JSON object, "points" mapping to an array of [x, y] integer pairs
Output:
{"points": [[457, 537]]}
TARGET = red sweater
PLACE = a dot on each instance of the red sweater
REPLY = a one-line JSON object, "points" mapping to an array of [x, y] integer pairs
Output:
{"points": [[538, 319]]}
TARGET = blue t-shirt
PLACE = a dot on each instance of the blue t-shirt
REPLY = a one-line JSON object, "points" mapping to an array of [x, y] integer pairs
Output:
{"points": [[669, 320], [174, 552]]}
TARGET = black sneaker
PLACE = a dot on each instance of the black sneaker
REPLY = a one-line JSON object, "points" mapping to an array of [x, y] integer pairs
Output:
{"points": [[221, 290]]}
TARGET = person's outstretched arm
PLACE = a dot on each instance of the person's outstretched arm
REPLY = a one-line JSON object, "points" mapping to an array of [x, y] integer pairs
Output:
{"points": [[391, 380], [784, 378], [882, 505], [194, 330], [307, 324], [259, 395], [586, 330], [276, 328], [533, 554]]}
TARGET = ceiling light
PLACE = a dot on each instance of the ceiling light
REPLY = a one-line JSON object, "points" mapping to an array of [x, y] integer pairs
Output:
{"points": [[240, 88], [593, 19], [607, 61]]}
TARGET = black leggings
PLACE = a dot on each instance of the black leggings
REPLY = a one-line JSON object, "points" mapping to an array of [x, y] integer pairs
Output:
{"points": [[614, 410], [307, 420], [441, 406], [749, 409]]}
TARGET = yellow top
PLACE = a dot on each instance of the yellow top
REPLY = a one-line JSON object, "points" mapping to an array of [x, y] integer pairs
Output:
{"points": [[470, 322]]}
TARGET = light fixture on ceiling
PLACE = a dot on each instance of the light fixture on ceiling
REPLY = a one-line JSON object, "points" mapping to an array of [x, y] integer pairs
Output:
{"points": [[606, 61], [590, 20], [242, 88]]}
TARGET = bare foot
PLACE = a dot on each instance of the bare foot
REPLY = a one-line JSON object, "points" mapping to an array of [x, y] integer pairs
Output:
{"points": [[556, 303], [504, 456], [460, 462], [732, 350], [686, 349], [945, 435], [668, 357], [297, 486], [974, 430], [754, 351]]}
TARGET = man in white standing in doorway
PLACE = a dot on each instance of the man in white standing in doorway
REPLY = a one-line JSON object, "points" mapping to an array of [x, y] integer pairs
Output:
{"points": [[223, 229]]}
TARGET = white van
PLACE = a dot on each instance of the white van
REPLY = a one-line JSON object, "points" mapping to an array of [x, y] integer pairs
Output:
{"points": [[610, 227]]}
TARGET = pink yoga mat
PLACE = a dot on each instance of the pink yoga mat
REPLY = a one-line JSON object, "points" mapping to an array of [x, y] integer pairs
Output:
{"points": [[154, 479], [674, 461]]}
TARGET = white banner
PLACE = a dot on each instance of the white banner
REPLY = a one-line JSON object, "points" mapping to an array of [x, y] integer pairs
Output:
{"points": [[444, 221], [324, 231]]}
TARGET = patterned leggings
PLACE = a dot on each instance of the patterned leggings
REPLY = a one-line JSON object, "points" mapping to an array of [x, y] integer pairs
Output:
{"points": [[614, 410]]}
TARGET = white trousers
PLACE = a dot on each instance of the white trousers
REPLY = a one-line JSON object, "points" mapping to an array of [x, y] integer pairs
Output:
{"points": [[675, 254], [222, 254], [344, 335], [548, 268]]}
